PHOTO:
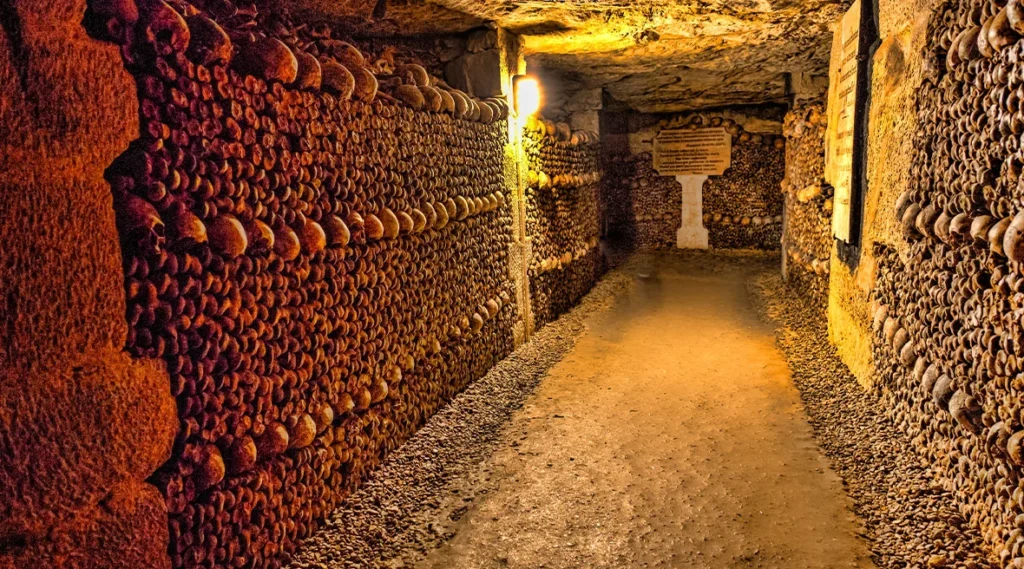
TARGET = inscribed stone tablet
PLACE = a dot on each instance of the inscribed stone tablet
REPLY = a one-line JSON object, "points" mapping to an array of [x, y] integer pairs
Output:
{"points": [[693, 152], [842, 105]]}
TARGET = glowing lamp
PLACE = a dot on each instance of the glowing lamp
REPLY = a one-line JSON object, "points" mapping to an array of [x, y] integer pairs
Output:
{"points": [[527, 94]]}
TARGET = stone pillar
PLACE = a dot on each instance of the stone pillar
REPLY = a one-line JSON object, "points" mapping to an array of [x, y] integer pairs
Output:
{"points": [[691, 233], [513, 62], [804, 86], [480, 70], [785, 242], [82, 425]]}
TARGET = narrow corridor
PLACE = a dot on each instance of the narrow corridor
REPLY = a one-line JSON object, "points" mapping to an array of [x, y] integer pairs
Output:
{"points": [[511, 284], [670, 436]]}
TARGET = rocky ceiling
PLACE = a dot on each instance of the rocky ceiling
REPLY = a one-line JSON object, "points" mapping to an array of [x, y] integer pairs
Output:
{"points": [[654, 56]]}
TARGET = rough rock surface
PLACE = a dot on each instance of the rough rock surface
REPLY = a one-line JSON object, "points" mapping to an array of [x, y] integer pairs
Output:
{"points": [[655, 56], [81, 424]]}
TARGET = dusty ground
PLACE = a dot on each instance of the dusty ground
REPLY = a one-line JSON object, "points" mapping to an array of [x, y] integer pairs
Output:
{"points": [[657, 425], [911, 521], [404, 510], [670, 436]]}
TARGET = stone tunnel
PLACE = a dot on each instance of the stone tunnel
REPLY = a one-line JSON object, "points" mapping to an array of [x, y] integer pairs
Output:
{"points": [[318, 284]]}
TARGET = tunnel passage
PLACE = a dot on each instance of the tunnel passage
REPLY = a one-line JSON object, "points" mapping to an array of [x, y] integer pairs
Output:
{"points": [[251, 248], [321, 242]]}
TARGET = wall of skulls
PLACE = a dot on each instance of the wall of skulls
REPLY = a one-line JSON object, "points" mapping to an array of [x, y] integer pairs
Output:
{"points": [[742, 208], [563, 216], [644, 208], [807, 231], [947, 332], [315, 241]]}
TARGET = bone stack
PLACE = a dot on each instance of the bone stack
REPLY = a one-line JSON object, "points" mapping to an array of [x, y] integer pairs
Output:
{"points": [[948, 337], [563, 216], [315, 241], [742, 208], [644, 208], [807, 235]]}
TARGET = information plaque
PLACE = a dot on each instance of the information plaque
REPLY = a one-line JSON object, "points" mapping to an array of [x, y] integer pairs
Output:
{"points": [[842, 107], [693, 152]]}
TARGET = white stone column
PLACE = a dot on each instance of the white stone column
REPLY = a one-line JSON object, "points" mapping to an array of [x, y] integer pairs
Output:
{"points": [[691, 233]]}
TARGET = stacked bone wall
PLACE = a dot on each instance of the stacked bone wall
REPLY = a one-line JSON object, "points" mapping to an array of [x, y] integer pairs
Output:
{"points": [[319, 265], [742, 208], [947, 333], [807, 231], [563, 216], [643, 207]]}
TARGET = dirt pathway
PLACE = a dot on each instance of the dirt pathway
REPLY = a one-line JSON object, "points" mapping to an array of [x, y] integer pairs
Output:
{"points": [[670, 436]]}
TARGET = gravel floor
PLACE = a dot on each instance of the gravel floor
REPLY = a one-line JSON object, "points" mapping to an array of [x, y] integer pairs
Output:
{"points": [[413, 502], [669, 436], [406, 508], [909, 519]]}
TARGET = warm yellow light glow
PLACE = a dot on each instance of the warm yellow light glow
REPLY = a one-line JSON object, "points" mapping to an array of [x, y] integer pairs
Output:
{"points": [[527, 91]]}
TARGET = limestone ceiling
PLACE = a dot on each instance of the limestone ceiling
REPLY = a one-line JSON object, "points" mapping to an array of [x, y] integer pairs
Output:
{"points": [[652, 55]]}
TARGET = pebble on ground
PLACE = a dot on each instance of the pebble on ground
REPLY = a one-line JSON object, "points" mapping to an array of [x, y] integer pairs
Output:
{"points": [[405, 509], [911, 522]]}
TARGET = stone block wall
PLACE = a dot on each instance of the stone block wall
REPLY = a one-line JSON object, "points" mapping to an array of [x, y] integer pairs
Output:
{"points": [[564, 209], [475, 64], [807, 230]]}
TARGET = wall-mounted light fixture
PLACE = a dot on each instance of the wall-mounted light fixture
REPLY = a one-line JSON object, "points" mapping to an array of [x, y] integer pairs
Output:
{"points": [[526, 89]]}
